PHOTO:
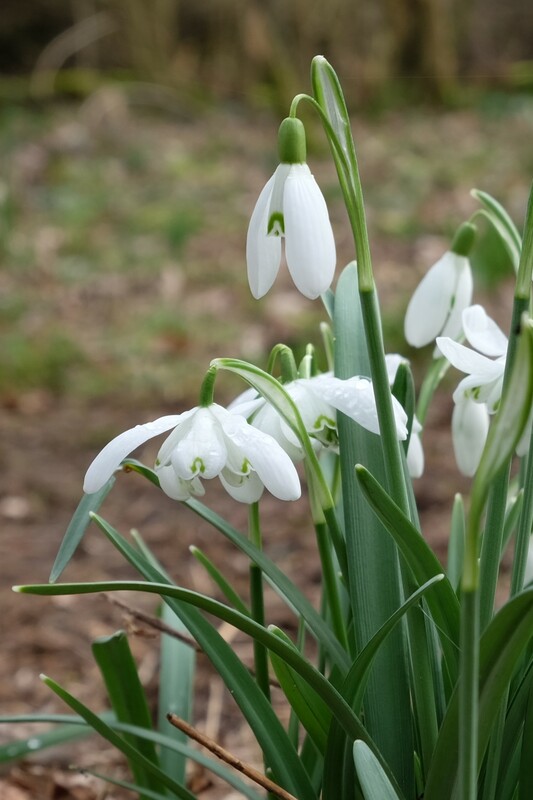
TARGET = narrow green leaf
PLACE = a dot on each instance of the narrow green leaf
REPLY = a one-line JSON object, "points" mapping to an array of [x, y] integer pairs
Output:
{"points": [[309, 707], [176, 687], [131, 753], [77, 527], [374, 782], [74, 722], [502, 223], [526, 762], [132, 787], [218, 578], [127, 697], [329, 96], [353, 690], [442, 602], [16, 750], [220, 655], [272, 738], [316, 625], [501, 649], [456, 544]]}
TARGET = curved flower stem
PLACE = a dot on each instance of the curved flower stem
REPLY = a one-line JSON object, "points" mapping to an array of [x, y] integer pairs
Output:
{"points": [[432, 378], [257, 602]]}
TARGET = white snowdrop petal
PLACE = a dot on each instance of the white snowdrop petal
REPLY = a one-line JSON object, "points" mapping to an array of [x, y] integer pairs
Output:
{"points": [[244, 489], [266, 457], [431, 302], [465, 359], [462, 297], [108, 460], [470, 426], [263, 252], [392, 362], [415, 456], [202, 450], [483, 333], [309, 243], [172, 485], [269, 421]]}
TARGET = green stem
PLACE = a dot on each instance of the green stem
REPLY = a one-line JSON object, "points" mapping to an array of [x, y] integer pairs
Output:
{"points": [[525, 266], [387, 425], [491, 546], [525, 522], [433, 377], [331, 584], [208, 387], [257, 603], [468, 695]]}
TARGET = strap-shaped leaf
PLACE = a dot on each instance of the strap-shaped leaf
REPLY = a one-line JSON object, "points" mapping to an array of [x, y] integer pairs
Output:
{"points": [[127, 698], [312, 712], [88, 504], [374, 782], [442, 602], [502, 223], [501, 649]]}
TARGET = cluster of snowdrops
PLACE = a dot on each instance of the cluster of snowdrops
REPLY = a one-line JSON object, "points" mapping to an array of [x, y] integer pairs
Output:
{"points": [[419, 687]]}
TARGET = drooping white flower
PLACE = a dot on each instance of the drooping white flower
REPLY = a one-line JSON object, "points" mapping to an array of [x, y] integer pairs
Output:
{"points": [[205, 442], [478, 394], [415, 451], [438, 301], [485, 368], [470, 426], [318, 399], [291, 206]]}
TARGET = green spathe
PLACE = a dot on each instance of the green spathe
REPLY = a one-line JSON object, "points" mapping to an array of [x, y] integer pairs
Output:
{"points": [[291, 141]]}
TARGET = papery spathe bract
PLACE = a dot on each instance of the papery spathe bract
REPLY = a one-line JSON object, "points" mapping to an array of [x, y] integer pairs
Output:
{"points": [[205, 442], [438, 301]]}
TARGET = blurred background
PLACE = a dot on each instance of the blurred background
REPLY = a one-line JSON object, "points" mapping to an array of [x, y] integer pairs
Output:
{"points": [[135, 136]]}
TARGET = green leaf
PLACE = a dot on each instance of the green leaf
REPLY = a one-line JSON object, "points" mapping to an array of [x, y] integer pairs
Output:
{"points": [[501, 649], [353, 690], [373, 574], [218, 578], [127, 697], [374, 782], [328, 94], [442, 602], [176, 687], [131, 753], [281, 583], [456, 544], [502, 223], [77, 527], [73, 722], [309, 707], [278, 750]]}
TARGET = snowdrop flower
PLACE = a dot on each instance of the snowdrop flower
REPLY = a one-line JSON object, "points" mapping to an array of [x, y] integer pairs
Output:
{"points": [[205, 442], [415, 451], [439, 299], [318, 399], [479, 393], [484, 368], [470, 426], [292, 206]]}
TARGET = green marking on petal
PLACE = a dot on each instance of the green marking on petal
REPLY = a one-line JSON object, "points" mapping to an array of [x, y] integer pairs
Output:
{"points": [[245, 468], [276, 224], [197, 466], [323, 421]]}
